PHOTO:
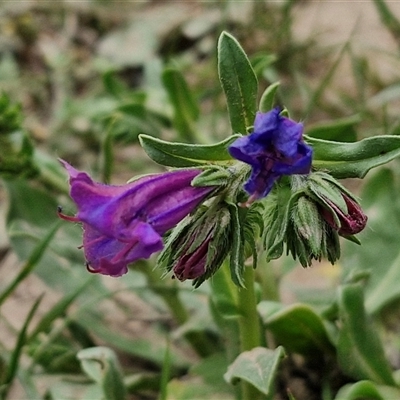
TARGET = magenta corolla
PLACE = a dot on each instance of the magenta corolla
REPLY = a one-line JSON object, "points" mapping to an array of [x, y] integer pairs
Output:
{"points": [[122, 224]]}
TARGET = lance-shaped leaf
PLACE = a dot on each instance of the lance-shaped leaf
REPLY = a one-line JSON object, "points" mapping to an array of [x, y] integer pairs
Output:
{"points": [[360, 352], [238, 81], [353, 160], [257, 366], [181, 155], [267, 100], [186, 111]]}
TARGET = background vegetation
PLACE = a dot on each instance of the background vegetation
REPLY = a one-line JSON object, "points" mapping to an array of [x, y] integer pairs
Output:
{"points": [[81, 81]]}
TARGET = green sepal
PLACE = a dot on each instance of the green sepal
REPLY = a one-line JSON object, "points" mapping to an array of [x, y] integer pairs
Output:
{"points": [[268, 97], [213, 176], [236, 259], [238, 81], [181, 155], [308, 223], [353, 160]]}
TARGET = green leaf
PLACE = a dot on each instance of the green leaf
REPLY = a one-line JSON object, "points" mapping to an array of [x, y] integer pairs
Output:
{"points": [[379, 255], [267, 100], [353, 160], [12, 367], [258, 367], [238, 81], [342, 129], [31, 263], [360, 352], [180, 155], [186, 110], [102, 365], [59, 309], [367, 390], [297, 327]]}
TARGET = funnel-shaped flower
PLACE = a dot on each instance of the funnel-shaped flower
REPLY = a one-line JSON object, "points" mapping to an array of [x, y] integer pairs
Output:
{"points": [[275, 148], [124, 223]]}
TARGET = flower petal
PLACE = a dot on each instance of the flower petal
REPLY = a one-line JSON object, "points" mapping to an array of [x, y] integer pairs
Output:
{"points": [[109, 256]]}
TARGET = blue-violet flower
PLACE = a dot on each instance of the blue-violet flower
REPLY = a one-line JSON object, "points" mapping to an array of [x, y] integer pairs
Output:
{"points": [[122, 224], [275, 148]]}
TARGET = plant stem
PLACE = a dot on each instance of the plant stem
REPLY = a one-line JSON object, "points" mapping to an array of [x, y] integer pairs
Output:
{"points": [[249, 326]]}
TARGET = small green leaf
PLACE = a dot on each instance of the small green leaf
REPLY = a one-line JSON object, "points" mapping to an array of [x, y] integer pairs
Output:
{"points": [[353, 160], [102, 365], [367, 390], [258, 367], [180, 155], [186, 110], [360, 352], [267, 100], [238, 81], [297, 327]]}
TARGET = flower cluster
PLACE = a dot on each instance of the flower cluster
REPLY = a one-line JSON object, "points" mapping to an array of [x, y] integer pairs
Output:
{"points": [[307, 212]]}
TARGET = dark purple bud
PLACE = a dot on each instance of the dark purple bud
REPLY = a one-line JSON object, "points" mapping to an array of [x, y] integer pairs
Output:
{"points": [[124, 223], [192, 265], [351, 223], [275, 148]]}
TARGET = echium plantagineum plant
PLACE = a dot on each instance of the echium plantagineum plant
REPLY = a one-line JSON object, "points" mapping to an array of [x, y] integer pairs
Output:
{"points": [[266, 189]]}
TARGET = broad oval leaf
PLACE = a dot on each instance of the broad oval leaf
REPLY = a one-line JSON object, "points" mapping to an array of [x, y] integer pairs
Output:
{"points": [[297, 327], [258, 367], [238, 81], [180, 155], [353, 160], [360, 352]]}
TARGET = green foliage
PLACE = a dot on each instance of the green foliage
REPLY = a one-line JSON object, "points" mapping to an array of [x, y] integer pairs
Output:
{"points": [[238, 81], [354, 160], [258, 367], [185, 155]]}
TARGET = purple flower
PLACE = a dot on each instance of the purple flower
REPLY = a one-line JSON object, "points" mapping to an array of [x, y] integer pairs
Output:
{"points": [[275, 148], [122, 224]]}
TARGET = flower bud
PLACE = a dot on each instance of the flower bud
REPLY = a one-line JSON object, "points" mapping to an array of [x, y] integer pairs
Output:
{"points": [[338, 206], [351, 221], [308, 216], [197, 247]]}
